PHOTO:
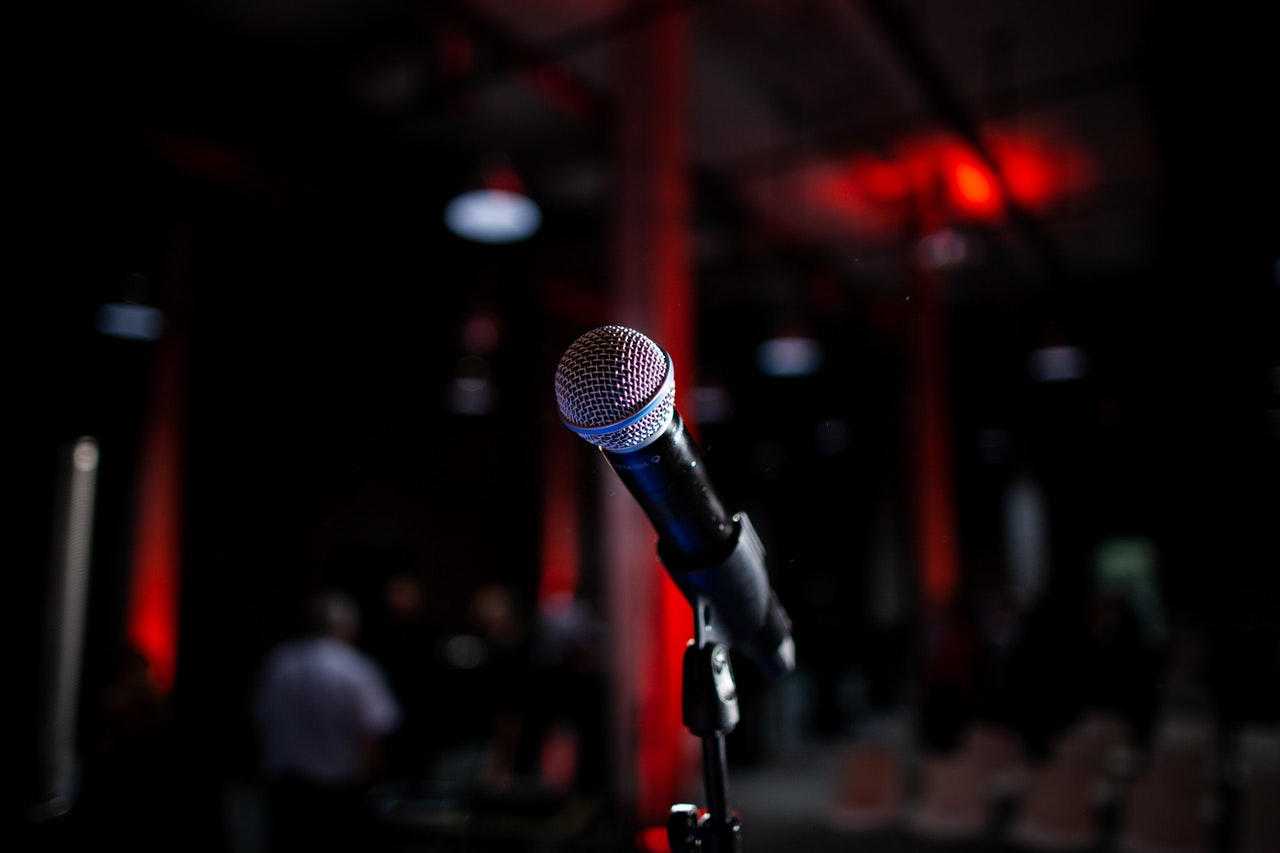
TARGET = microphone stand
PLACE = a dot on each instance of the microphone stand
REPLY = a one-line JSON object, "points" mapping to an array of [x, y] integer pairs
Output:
{"points": [[710, 711]]}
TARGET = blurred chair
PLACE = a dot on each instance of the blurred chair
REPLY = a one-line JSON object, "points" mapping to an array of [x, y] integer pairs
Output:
{"points": [[994, 748], [1258, 821], [1168, 804], [958, 791], [869, 791], [1060, 800]]}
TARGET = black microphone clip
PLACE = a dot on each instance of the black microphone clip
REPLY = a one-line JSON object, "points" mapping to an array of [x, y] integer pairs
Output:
{"points": [[748, 606]]}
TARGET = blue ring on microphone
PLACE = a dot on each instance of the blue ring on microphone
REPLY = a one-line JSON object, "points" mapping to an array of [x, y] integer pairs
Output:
{"points": [[668, 384]]}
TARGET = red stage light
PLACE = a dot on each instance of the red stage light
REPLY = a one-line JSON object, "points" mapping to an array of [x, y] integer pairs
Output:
{"points": [[880, 180], [951, 181], [1027, 171], [971, 187]]}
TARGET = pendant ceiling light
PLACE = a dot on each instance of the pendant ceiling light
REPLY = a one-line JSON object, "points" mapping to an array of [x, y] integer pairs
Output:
{"points": [[495, 211]]}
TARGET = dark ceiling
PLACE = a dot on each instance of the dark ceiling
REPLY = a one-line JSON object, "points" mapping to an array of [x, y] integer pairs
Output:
{"points": [[400, 99]]}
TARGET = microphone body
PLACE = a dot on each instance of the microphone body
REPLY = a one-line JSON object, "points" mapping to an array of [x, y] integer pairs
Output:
{"points": [[669, 481], [615, 388]]}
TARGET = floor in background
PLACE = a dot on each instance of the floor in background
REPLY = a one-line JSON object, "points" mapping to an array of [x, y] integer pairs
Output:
{"points": [[879, 794]]}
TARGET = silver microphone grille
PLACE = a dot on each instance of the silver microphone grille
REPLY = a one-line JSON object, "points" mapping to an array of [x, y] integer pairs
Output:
{"points": [[615, 388]]}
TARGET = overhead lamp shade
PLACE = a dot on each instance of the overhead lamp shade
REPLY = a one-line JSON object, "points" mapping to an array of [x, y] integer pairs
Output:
{"points": [[131, 317], [789, 355], [130, 320], [792, 349], [1060, 363], [496, 211]]}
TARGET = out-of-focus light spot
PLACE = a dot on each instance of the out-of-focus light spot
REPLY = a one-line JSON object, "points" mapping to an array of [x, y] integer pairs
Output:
{"points": [[465, 399], [471, 372], [712, 404], [972, 185], [130, 321], [63, 637], [493, 216], [885, 182], [1027, 170], [481, 332], [879, 181], [943, 248], [711, 399], [789, 356], [84, 456], [1126, 567], [832, 437], [1058, 364], [1035, 168], [464, 651], [1121, 561], [993, 445], [472, 392], [1026, 532]]}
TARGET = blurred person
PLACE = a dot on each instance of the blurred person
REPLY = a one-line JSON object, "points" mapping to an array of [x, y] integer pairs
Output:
{"points": [[404, 642], [568, 661], [511, 702], [533, 723], [324, 710], [1001, 623]]}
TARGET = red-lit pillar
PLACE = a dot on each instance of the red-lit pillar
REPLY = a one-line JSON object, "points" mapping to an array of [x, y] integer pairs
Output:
{"points": [[560, 557], [657, 756], [931, 449], [153, 606]]}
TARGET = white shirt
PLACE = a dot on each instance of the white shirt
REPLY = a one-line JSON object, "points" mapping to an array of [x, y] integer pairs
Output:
{"points": [[318, 705]]}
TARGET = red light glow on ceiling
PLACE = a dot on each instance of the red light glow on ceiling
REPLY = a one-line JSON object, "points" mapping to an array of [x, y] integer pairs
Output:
{"points": [[972, 191], [945, 177]]}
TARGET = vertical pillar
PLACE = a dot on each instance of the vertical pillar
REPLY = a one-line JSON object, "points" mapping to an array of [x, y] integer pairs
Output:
{"points": [[154, 586], [560, 564], [652, 293], [62, 651], [937, 546]]}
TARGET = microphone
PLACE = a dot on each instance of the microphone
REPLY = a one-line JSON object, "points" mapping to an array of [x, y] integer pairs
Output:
{"points": [[616, 389]]}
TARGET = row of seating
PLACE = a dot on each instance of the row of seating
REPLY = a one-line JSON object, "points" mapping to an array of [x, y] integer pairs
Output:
{"points": [[1163, 802]]}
